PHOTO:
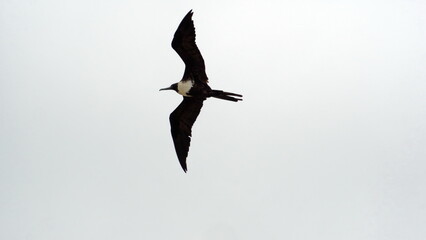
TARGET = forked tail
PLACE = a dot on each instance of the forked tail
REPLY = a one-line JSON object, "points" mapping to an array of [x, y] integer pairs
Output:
{"points": [[226, 95]]}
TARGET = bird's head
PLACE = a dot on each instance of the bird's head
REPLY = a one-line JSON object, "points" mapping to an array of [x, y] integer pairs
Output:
{"points": [[172, 87]]}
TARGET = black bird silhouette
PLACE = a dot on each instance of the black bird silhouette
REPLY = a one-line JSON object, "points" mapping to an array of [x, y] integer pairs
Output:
{"points": [[193, 87]]}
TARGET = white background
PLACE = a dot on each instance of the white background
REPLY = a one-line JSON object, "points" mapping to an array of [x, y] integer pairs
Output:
{"points": [[329, 142]]}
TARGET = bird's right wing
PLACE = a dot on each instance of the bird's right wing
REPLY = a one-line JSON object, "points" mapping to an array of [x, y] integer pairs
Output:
{"points": [[181, 121]]}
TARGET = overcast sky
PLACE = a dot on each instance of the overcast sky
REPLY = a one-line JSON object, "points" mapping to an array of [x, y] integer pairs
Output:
{"points": [[329, 142]]}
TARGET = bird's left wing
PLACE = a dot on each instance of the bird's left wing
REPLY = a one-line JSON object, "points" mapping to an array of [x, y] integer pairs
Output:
{"points": [[184, 44], [181, 121]]}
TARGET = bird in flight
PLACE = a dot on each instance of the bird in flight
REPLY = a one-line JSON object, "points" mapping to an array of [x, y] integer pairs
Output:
{"points": [[193, 87]]}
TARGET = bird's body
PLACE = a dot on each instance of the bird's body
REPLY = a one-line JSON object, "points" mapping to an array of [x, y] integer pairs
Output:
{"points": [[184, 87], [193, 87]]}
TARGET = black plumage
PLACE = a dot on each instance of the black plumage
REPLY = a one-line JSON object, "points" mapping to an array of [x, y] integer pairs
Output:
{"points": [[193, 87], [184, 44]]}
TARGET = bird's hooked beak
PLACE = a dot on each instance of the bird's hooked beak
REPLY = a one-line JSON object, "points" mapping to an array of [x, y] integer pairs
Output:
{"points": [[167, 88]]}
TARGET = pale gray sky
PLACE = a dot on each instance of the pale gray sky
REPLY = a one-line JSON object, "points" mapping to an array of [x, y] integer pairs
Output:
{"points": [[329, 142]]}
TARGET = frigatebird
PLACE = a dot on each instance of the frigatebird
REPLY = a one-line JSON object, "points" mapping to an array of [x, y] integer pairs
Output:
{"points": [[193, 87]]}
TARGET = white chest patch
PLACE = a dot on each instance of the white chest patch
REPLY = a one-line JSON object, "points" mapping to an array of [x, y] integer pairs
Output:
{"points": [[184, 87]]}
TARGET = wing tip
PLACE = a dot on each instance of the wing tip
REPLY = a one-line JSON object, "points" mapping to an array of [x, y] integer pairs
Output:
{"points": [[189, 14], [185, 169]]}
